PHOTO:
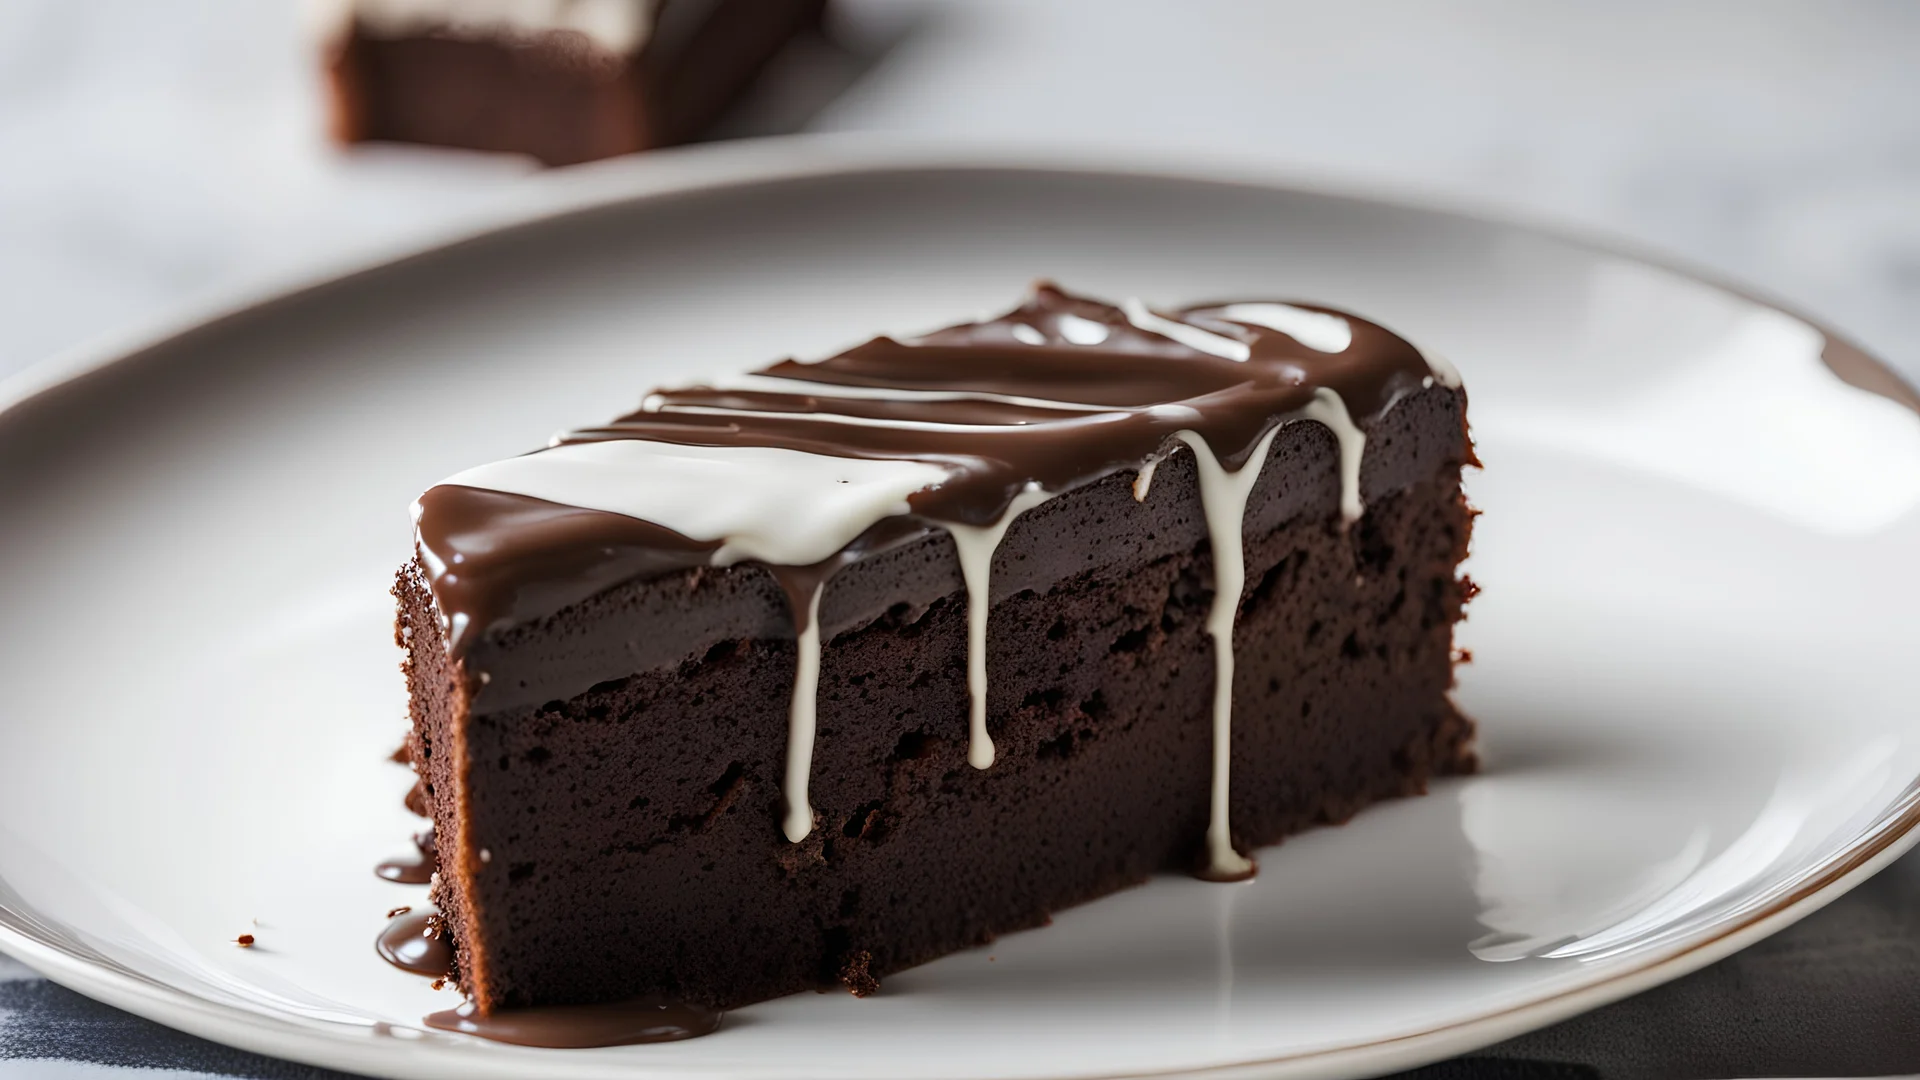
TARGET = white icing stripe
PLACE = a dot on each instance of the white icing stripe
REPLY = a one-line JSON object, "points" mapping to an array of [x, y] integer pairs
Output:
{"points": [[1443, 370], [976, 545], [863, 421], [620, 26], [1081, 331], [1191, 336], [1143, 481], [1027, 335], [1328, 408], [802, 721], [1314, 329], [770, 385], [783, 507], [1223, 497]]}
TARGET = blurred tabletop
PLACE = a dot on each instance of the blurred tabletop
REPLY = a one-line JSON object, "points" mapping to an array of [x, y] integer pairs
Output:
{"points": [[159, 153]]}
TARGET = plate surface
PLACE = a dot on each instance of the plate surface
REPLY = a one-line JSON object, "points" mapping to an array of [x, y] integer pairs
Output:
{"points": [[1692, 668]]}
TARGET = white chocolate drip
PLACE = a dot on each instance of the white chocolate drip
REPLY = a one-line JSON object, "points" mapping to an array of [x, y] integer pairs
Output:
{"points": [[802, 720], [1143, 480], [1328, 408], [1081, 331], [837, 418], [1223, 498], [1316, 330], [976, 545], [770, 384], [1444, 372]]}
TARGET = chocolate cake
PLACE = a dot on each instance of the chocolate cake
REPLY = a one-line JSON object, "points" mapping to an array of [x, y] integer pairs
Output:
{"points": [[563, 80], [805, 677]]}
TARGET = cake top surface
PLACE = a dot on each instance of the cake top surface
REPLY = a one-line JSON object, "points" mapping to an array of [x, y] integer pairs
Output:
{"points": [[619, 26], [807, 464]]}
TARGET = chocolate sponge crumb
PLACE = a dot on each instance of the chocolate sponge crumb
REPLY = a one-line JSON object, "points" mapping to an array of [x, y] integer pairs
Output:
{"points": [[857, 974]]}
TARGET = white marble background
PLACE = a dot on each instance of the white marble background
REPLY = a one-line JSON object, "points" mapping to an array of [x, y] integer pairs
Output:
{"points": [[155, 151]]}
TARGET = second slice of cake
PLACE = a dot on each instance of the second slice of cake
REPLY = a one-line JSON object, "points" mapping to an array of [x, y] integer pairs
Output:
{"points": [[819, 673]]}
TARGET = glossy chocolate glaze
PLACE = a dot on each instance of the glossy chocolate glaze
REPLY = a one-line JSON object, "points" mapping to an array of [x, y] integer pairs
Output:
{"points": [[578, 1027], [497, 559], [1060, 392], [417, 942], [415, 869]]}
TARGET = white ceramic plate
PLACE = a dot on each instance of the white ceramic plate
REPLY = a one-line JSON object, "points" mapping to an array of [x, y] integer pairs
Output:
{"points": [[1693, 652]]}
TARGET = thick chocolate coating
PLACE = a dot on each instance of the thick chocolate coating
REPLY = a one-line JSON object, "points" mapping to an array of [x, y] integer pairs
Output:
{"points": [[1073, 391]]}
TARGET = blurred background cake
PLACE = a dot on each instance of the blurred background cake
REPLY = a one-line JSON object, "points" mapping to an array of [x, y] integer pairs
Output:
{"points": [[562, 80]]}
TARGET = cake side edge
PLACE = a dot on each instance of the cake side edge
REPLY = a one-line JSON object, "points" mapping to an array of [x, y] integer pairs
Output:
{"points": [[438, 704]]}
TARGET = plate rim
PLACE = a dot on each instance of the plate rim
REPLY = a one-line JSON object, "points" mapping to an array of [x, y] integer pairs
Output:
{"points": [[547, 198]]}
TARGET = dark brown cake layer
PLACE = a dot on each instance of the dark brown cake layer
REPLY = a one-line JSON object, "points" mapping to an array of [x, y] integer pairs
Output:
{"points": [[557, 95], [607, 811]]}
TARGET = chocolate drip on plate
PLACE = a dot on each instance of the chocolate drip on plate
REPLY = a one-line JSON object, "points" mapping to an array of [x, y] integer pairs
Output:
{"points": [[415, 869], [417, 942], [578, 1027]]}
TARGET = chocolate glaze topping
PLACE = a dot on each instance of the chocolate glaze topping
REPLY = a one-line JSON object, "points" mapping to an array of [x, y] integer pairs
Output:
{"points": [[1059, 392], [803, 467]]}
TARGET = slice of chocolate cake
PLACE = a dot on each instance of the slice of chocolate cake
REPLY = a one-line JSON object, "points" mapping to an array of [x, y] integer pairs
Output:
{"points": [[563, 80], [819, 673]]}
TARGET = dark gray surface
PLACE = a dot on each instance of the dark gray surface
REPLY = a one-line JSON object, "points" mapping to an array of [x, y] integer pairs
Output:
{"points": [[1835, 995]]}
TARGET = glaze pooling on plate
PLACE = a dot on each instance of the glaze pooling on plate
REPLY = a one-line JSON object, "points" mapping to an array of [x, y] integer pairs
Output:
{"points": [[963, 429], [582, 1027]]}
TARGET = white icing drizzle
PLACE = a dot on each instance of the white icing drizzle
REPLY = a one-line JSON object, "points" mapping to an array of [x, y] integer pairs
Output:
{"points": [[774, 385], [1223, 497], [1143, 480], [783, 507], [1186, 333], [850, 421], [1444, 372], [1328, 408], [1028, 335], [1081, 331], [976, 545], [1315, 329], [802, 721]]}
